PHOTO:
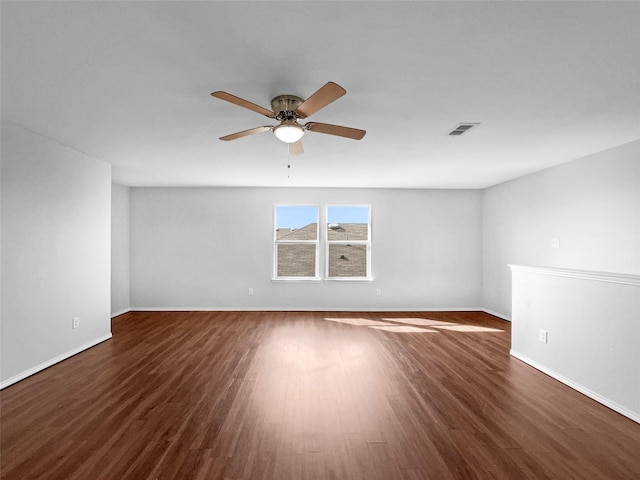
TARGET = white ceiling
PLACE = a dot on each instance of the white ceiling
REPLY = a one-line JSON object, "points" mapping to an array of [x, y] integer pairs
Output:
{"points": [[129, 83]]}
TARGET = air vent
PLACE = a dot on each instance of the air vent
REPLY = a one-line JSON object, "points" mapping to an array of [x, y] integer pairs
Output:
{"points": [[462, 128]]}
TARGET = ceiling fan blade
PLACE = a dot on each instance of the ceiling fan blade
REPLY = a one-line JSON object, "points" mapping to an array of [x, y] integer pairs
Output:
{"points": [[295, 148], [244, 103], [245, 133], [323, 97], [338, 130]]}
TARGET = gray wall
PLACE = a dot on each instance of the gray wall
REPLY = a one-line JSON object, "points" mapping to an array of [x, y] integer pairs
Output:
{"points": [[591, 205], [56, 214], [205, 247], [120, 249], [592, 331]]}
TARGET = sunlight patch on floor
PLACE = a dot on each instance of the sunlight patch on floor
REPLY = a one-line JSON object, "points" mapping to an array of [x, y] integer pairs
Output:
{"points": [[468, 328], [358, 321], [418, 321], [412, 325], [404, 329]]}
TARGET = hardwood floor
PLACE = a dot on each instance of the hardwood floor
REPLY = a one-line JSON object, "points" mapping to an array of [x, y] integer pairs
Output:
{"points": [[308, 395]]}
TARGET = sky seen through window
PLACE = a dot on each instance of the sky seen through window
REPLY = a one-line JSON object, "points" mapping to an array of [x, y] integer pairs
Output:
{"points": [[299, 216]]}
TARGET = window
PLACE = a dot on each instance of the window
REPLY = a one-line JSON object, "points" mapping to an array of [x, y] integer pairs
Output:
{"points": [[348, 242], [296, 241], [344, 243]]}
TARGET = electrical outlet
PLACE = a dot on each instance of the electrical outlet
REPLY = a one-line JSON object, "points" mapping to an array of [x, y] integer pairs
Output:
{"points": [[555, 242], [377, 292], [543, 336], [75, 322], [251, 291]]}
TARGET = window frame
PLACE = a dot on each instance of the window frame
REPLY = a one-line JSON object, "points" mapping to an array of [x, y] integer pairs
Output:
{"points": [[328, 243], [275, 277]]}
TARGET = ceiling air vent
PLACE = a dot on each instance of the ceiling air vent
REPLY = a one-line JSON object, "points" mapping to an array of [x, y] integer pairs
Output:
{"points": [[462, 128]]}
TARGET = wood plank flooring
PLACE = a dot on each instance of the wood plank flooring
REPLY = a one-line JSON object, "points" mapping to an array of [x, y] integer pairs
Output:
{"points": [[307, 395]]}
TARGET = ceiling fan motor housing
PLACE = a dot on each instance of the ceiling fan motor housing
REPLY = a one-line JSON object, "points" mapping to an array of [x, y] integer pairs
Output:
{"points": [[285, 105]]}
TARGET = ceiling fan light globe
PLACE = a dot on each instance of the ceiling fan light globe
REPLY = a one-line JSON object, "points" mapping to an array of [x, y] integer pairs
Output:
{"points": [[288, 133]]}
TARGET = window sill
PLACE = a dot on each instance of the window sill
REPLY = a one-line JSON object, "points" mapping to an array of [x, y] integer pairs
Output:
{"points": [[352, 280], [320, 280], [296, 280]]}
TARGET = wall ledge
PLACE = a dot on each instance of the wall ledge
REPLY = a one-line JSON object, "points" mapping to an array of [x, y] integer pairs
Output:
{"points": [[609, 277]]}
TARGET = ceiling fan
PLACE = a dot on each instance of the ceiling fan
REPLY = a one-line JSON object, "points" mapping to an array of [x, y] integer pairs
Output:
{"points": [[288, 109]]}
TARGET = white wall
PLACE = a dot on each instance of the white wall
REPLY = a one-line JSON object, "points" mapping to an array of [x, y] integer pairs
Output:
{"points": [[120, 249], [55, 252], [205, 247], [592, 205]]}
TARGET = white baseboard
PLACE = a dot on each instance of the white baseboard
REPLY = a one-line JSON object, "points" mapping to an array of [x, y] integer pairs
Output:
{"points": [[120, 312], [305, 309], [635, 416], [53, 361], [496, 314]]}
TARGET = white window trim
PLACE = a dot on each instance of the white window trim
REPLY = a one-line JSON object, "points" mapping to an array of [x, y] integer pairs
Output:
{"points": [[322, 245], [327, 243], [276, 242]]}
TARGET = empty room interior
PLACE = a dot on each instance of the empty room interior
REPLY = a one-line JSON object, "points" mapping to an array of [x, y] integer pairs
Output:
{"points": [[320, 240]]}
